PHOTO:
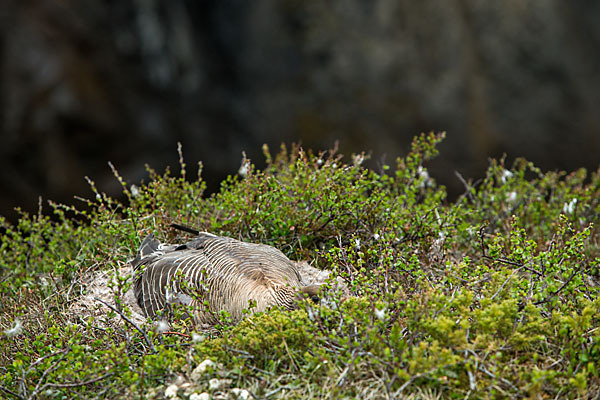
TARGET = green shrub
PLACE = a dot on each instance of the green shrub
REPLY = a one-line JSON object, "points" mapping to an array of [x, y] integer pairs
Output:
{"points": [[492, 295]]}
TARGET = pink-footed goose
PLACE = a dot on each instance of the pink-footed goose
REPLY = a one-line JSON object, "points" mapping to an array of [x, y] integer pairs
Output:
{"points": [[212, 273]]}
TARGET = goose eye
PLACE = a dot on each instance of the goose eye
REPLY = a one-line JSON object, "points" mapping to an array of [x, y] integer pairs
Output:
{"points": [[314, 298]]}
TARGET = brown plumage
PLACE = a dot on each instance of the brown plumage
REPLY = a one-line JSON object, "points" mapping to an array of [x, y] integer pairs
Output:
{"points": [[211, 273]]}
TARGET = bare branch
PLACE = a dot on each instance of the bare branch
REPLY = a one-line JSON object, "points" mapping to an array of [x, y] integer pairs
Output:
{"points": [[140, 330]]}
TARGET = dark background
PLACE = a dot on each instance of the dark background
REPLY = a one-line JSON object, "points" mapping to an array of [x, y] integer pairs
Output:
{"points": [[83, 82]]}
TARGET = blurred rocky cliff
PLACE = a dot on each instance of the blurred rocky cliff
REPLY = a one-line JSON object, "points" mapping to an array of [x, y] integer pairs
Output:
{"points": [[83, 82]]}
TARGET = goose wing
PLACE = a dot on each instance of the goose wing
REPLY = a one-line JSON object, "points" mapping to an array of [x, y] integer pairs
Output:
{"points": [[177, 273], [247, 260], [225, 271]]}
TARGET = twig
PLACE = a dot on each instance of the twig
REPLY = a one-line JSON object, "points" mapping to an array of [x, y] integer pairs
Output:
{"points": [[176, 333], [39, 360], [491, 375], [514, 263], [75, 384], [6, 390], [140, 330], [468, 187], [389, 385], [481, 239], [569, 279], [37, 388], [280, 388], [290, 355], [325, 223], [504, 283], [242, 352], [348, 369]]}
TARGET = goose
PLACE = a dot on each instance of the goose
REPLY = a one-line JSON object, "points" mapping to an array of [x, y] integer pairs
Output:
{"points": [[210, 274]]}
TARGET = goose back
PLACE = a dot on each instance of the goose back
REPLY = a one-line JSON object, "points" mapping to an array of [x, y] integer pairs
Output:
{"points": [[212, 273]]}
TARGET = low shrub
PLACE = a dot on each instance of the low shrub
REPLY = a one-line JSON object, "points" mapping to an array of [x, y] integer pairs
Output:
{"points": [[492, 295]]}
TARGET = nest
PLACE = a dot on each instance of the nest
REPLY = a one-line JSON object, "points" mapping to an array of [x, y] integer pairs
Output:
{"points": [[102, 292]]}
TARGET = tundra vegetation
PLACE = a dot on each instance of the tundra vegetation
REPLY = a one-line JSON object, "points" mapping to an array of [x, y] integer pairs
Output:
{"points": [[493, 295]]}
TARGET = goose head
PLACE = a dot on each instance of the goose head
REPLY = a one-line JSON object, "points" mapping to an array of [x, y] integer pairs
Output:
{"points": [[310, 292], [288, 297]]}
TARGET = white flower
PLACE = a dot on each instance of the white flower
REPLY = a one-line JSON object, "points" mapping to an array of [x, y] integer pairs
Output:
{"points": [[214, 384], [245, 167], [171, 391], [311, 314], [243, 171], [328, 302], [201, 396], [197, 338], [15, 330], [357, 242], [320, 161], [134, 191], [569, 208], [512, 197], [380, 314], [506, 175], [423, 174], [358, 159], [241, 394], [376, 236], [162, 326], [171, 296], [204, 365], [98, 197]]}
